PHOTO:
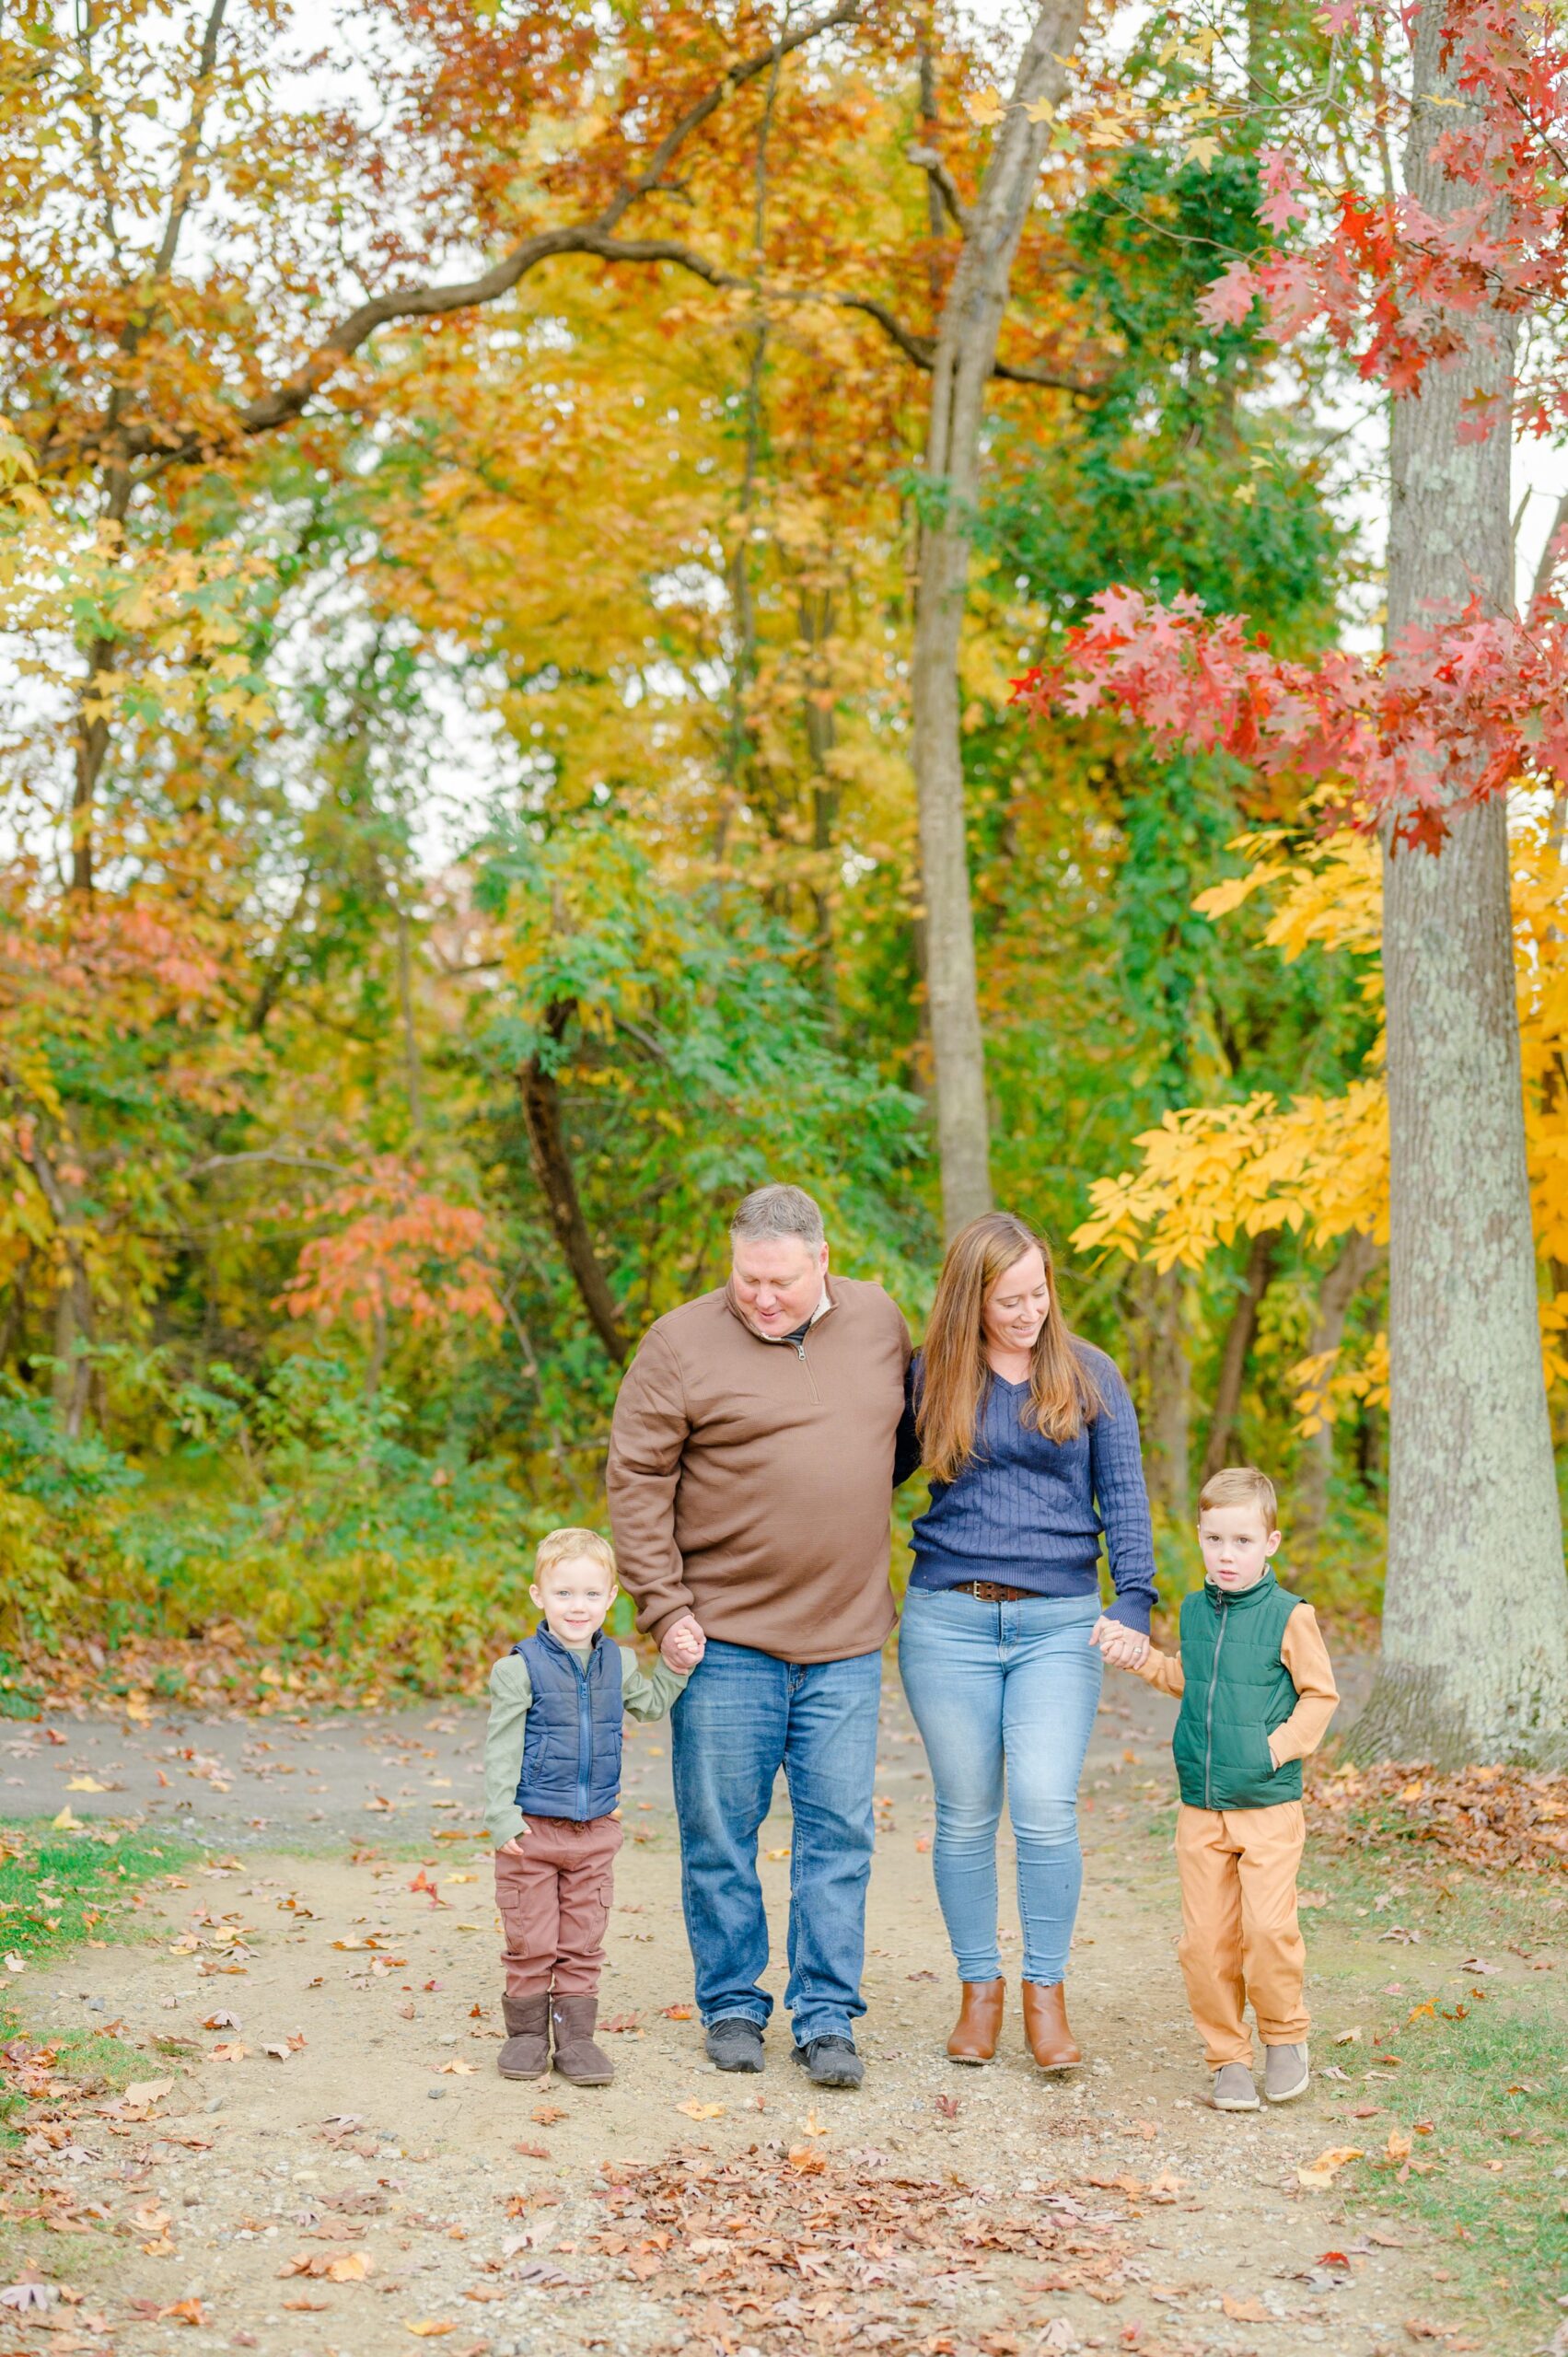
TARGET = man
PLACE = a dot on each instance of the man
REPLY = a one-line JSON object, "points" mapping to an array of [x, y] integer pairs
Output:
{"points": [[750, 1471]]}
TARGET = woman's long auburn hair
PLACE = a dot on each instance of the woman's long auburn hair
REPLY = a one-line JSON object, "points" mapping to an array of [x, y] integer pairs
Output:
{"points": [[1064, 1395]]}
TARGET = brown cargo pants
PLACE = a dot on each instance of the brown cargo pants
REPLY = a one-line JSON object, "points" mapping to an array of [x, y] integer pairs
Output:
{"points": [[553, 1890]]}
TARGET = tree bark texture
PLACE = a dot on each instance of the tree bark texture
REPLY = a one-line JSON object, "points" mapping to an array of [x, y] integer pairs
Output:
{"points": [[1167, 1387], [1239, 1337], [1474, 1663], [966, 350], [558, 1184], [1358, 1258]]}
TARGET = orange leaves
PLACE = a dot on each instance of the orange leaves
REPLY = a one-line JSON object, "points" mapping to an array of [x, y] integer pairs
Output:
{"points": [[404, 1247]]}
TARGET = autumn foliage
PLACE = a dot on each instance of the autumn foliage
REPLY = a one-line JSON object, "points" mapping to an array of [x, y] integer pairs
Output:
{"points": [[1451, 715]]}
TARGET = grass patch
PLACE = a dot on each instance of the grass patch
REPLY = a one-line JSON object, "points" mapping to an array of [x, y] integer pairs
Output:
{"points": [[1447, 1904], [58, 1890], [1480, 2093]]}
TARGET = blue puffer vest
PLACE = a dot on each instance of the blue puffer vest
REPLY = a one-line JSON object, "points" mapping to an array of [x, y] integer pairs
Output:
{"points": [[571, 1735]]}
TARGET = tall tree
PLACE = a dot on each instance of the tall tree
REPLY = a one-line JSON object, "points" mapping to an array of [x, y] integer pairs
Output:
{"points": [[1425, 746], [965, 356], [1472, 1484]]}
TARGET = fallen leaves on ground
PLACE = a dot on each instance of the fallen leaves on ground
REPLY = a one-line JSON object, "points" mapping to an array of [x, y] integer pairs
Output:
{"points": [[1325, 2168], [545, 2113], [783, 2250], [695, 2110], [1482, 1818], [338, 2266], [29, 2293], [1246, 2311]]}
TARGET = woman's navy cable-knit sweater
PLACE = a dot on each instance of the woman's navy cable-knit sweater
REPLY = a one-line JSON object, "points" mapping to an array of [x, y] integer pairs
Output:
{"points": [[1028, 1511]]}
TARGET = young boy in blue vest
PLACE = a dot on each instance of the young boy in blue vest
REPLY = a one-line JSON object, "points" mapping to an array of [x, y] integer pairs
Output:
{"points": [[1257, 1694], [551, 1789]]}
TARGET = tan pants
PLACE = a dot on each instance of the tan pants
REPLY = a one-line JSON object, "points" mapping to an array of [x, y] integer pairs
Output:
{"points": [[554, 1904], [1241, 1938]]}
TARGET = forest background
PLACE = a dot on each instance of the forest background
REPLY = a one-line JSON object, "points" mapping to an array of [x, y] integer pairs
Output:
{"points": [[461, 825]]}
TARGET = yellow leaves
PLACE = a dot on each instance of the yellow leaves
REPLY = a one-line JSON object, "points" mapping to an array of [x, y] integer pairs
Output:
{"points": [[695, 2110], [1318, 1165], [986, 108], [1209, 1174], [1320, 2174], [1203, 151]]}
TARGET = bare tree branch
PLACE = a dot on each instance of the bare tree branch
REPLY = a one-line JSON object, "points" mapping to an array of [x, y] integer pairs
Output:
{"points": [[189, 145], [942, 180]]}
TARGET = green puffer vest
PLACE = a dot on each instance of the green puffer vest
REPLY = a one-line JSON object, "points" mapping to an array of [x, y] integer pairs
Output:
{"points": [[1238, 1691]]}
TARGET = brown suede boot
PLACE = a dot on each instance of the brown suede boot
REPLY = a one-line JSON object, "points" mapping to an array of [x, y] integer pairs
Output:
{"points": [[1045, 2025], [577, 2057], [979, 2021], [526, 2054]]}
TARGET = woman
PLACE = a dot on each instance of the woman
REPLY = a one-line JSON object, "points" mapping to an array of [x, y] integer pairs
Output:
{"points": [[1031, 1441]]}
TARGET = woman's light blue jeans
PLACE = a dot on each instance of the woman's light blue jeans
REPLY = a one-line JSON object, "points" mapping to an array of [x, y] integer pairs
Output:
{"points": [[994, 1687]]}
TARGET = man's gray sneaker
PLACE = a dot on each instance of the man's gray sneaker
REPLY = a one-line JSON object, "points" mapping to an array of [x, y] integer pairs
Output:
{"points": [[830, 2062], [1233, 2090], [1284, 2073], [736, 2043]]}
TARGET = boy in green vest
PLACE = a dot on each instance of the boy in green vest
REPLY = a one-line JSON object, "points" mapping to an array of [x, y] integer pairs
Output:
{"points": [[1257, 1694]]}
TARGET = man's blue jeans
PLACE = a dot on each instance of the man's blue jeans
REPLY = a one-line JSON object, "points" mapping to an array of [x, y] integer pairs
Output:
{"points": [[743, 1716], [994, 1687]]}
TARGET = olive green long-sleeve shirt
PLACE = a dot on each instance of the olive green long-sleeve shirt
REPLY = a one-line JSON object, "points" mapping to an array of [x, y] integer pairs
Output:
{"points": [[644, 1696]]}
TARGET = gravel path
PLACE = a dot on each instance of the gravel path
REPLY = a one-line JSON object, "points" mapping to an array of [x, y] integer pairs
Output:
{"points": [[375, 2182]]}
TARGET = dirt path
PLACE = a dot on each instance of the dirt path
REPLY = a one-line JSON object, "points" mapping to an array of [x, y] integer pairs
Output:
{"points": [[943, 2209]]}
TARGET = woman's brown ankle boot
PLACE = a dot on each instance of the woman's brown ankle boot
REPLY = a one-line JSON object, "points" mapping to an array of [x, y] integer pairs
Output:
{"points": [[979, 2021], [1045, 2025]]}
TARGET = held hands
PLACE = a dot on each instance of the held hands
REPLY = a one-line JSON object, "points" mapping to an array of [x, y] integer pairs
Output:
{"points": [[1123, 1648], [683, 1646]]}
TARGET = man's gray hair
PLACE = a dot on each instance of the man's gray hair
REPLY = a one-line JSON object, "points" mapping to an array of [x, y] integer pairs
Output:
{"points": [[776, 1211]]}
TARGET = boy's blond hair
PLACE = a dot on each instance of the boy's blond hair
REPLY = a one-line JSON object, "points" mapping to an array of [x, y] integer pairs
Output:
{"points": [[1241, 1485], [561, 1546]]}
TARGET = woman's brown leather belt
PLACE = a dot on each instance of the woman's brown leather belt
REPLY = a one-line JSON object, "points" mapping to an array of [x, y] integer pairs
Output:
{"points": [[992, 1592]]}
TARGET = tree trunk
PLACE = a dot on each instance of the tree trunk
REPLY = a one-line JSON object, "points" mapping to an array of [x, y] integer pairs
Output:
{"points": [[1475, 1624], [1340, 1283], [552, 1167], [966, 349], [1239, 1336], [1168, 1392]]}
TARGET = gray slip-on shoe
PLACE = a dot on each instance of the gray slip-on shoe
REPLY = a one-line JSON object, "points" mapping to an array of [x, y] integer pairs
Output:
{"points": [[830, 2062], [736, 2043], [1285, 2073], [1233, 2090]]}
